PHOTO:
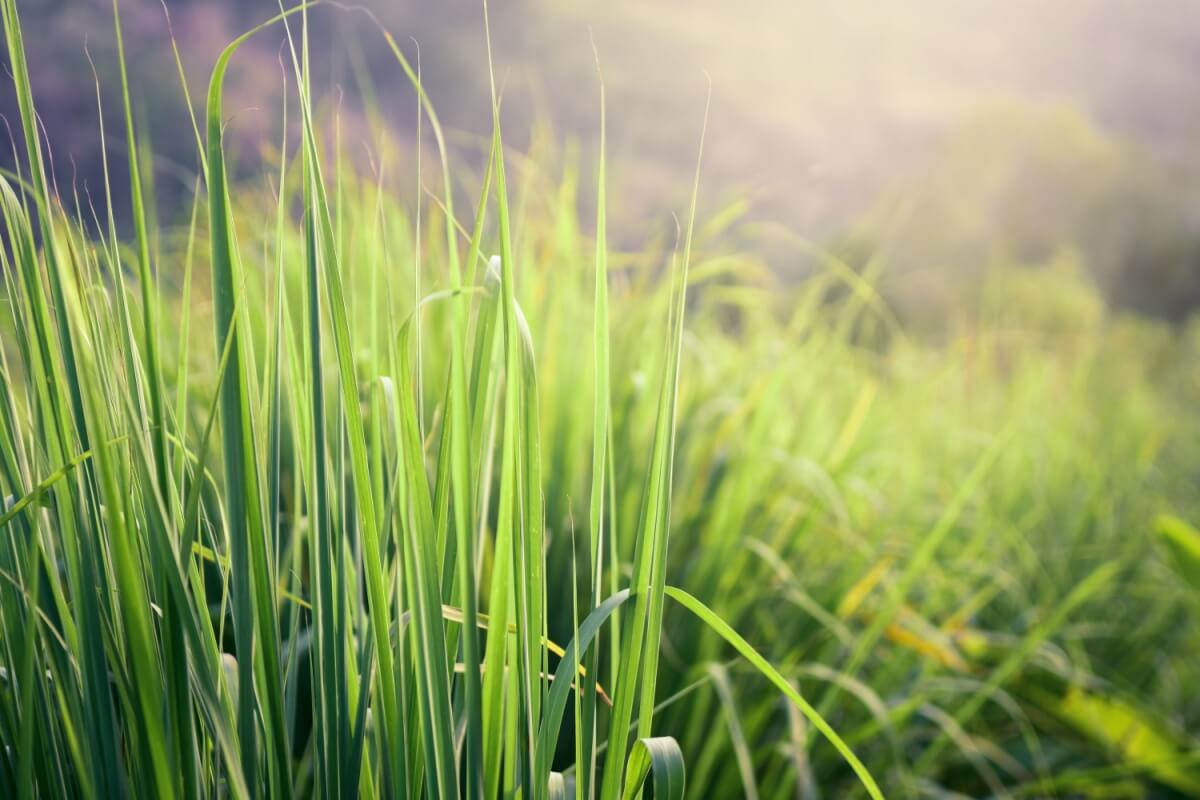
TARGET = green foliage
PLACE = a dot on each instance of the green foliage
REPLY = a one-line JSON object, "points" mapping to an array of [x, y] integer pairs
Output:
{"points": [[292, 490], [1036, 186], [1183, 543]]}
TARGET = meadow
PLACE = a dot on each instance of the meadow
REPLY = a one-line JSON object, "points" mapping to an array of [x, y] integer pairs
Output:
{"points": [[390, 477]]}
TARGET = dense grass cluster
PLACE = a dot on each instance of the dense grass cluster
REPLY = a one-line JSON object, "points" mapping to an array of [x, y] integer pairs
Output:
{"points": [[309, 495]]}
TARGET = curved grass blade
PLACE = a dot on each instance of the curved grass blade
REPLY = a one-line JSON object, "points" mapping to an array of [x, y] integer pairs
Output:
{"points": [[561, 787], [660, 757], [556, 700], [709, 618]]}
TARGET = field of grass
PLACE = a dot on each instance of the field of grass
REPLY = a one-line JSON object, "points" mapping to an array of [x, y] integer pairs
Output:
{"points": [[308, 494]]}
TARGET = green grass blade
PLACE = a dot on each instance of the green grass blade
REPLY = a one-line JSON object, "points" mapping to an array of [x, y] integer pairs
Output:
{"points": [[253, 584], [639, 648], [661, 758], [719, 626]]}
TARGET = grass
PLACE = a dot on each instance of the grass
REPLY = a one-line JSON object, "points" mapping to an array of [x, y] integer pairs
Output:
{"points": [[293, 490]]}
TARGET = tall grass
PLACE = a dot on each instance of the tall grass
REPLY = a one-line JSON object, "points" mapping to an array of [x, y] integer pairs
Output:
{"points": [[401, 518]]}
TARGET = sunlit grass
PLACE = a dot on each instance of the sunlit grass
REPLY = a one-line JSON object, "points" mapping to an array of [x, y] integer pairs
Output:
{"points": [[309, 494]]}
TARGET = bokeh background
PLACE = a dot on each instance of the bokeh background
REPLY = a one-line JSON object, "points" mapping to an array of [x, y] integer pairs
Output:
{"points": [[950, 137]]}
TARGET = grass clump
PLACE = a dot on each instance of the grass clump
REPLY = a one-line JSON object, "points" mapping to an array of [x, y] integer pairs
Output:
{"points": [[292, 493]]}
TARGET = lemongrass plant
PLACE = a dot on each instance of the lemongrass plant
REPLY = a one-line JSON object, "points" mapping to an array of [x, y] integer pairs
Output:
{"points": [[310, 494], [314, 587]]}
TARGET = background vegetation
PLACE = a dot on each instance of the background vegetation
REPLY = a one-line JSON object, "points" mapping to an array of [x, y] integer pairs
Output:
{"points": [[953, 134]]}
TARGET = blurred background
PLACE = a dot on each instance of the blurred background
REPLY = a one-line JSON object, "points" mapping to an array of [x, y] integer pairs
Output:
{"points": [[950, 138]]}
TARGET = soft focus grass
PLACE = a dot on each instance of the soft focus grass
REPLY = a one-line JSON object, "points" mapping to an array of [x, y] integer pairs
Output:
{"points": [[309, 495]]}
